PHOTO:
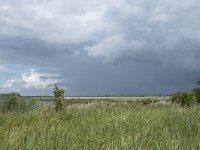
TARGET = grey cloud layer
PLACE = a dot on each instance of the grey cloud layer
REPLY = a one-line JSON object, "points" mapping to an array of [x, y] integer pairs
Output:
{"points": [[168, 33], [70, 36], [166, 28]]}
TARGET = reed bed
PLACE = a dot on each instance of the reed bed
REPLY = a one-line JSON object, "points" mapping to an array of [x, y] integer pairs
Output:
{"points": [[102, 125]]}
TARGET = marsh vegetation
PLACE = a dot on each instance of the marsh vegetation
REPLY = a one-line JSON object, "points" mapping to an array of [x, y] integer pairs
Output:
{"points": [[102, 124], [142, 123]]}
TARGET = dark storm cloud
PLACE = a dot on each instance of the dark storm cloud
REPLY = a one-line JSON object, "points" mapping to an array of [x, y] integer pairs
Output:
{"points": [[23, 49], [126, 78], [163, 32], [104, 47]]}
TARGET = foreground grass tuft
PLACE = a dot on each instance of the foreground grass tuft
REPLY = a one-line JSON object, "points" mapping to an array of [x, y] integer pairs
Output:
{"points": [[102, 126]]}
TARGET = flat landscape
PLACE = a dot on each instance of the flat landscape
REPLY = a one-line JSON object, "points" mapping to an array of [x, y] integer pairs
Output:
{"points": [[99, 75], [107, 123]]}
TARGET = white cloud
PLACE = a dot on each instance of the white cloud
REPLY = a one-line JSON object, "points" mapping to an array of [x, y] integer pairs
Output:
{"points": [[3, 68], [8, 84], [39, 80], [31, 80]]}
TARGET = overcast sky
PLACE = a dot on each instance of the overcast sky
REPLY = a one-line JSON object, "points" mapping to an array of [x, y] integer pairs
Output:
{"points": [[99, 47]]}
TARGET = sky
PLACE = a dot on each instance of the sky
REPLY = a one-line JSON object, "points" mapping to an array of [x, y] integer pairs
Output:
{"points": [[101, 47]]}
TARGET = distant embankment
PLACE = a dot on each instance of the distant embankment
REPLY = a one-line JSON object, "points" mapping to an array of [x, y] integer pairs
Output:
{"points": [[117, 98]]}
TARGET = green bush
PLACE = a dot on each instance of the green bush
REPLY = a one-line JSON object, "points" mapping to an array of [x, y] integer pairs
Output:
{"points": [[184, 99], [14, 102], [196, 93], [59, 98]]}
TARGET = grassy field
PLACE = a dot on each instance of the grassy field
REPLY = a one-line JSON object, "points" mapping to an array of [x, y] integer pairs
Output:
{"points": [[117, 98], [102, 125]]}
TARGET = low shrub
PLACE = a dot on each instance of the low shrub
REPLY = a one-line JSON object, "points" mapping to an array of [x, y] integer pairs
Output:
{"points": [[196, 93], [14, 102], [184, 99], [11, 102]]}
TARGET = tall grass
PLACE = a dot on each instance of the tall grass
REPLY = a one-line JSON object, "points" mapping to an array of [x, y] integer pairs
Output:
{"points": [[102, 126]]}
